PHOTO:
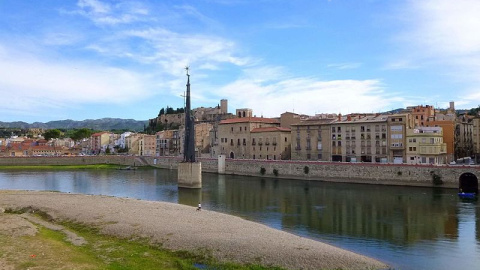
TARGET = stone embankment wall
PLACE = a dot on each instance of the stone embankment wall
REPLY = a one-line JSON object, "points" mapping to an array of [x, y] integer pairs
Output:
{"points": [[372, 173]]}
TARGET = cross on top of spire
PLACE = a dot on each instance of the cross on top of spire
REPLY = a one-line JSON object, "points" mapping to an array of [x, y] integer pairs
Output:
{"points": [[186, 68]]}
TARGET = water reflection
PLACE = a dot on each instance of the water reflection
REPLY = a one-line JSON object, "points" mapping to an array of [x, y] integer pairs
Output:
{"points": [[409, 228]]}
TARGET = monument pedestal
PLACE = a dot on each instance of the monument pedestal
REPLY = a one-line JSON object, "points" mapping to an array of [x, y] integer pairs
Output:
{"points": [[190, 175], [221, 164]]}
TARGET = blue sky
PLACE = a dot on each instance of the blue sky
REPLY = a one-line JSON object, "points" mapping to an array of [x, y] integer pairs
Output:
{"points": [[90, 59]]}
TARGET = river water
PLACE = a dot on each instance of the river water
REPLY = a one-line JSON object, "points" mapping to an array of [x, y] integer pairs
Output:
{"points": [[405, 227]]}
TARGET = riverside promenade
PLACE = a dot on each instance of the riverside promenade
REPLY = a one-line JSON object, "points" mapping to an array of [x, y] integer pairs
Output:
{"points": [[368, 173]]}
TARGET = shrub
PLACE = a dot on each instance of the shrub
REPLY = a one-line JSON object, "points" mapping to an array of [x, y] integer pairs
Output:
{"points": [[437, 179], [262, 170], [275, 172], [306, 170]]}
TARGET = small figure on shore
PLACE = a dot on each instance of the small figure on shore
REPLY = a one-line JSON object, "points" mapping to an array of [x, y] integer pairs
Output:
{"points": [[199, 207]]}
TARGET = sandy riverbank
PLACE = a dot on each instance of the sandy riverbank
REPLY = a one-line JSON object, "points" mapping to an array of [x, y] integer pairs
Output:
{"points": [[180, 227]]}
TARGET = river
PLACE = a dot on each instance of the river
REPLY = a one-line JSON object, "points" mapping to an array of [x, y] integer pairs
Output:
{"points": [[405, 227]]}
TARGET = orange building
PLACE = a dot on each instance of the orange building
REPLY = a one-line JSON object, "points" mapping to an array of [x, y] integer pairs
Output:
{"points": [[421, 114]]}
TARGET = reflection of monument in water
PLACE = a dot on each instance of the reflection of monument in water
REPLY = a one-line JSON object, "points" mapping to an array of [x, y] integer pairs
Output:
{"points": [[189, 171]]}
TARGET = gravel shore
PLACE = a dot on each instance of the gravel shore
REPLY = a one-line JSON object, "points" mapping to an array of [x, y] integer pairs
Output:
{"points": [[180, 227]]}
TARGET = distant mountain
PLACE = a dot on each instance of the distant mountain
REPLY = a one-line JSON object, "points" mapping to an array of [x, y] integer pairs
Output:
{"points": [[96, 124]]}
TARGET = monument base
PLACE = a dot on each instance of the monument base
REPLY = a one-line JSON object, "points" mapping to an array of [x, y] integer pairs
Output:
{"points": [[190, 175]]}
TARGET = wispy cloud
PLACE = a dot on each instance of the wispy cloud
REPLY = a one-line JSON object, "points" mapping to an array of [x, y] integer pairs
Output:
{"points": [[443, 34], [103, 13], [345, 65]]}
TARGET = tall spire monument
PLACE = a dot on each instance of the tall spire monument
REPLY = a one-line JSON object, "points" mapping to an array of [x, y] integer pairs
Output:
{"points": [[189, 171]]}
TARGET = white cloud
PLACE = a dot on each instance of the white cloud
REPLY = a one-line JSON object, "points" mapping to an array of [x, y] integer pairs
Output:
{"points": [[35, 84], [443, 35], [307, 95]]}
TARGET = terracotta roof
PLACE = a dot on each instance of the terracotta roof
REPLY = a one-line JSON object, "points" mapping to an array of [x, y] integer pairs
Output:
{"points": [[44, 147], [99, 134], [270, 129], [249, 119]]}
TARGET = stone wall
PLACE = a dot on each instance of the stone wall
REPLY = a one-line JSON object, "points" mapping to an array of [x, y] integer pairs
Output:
{"points": [[372, 173]]}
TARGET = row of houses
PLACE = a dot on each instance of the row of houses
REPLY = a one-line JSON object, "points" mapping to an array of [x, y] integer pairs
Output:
{"points": [[416, 135]]}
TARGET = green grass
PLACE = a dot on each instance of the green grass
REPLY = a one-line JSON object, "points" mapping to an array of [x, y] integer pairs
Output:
{"points": [[114, 253], [49, 249]]}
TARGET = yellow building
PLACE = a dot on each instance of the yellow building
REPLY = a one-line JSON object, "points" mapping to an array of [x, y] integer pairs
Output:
{"points": [[202, 137], [270, 143], [425, 146], [147, 145], [311, 140], [236, 138], [99, 141]]}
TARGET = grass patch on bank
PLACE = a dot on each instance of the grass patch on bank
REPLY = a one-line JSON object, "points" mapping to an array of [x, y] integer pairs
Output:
{"points": [[60, 167], [49, 249], [116, 253]]}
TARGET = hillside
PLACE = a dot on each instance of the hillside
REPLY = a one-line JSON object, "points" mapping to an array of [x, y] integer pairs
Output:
{"points": [[96, 124]]}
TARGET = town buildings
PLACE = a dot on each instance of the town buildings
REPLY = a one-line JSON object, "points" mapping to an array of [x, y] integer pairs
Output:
{"points": [[251, 137], [417, 135]]}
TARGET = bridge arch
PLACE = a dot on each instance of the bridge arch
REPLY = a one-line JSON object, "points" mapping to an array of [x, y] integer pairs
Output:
{"points": [[468, 183]]}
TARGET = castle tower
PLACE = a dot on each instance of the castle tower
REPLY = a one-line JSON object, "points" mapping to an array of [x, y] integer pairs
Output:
{"points": [[223, 106]]}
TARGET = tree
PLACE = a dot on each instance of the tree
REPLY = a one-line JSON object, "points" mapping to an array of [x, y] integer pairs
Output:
{"points": [[81, 134], [52, 133], [162, 111], [474, 111]]}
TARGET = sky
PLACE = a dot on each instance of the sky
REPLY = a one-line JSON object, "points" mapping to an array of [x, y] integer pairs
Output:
{"points": [[90, 59]]}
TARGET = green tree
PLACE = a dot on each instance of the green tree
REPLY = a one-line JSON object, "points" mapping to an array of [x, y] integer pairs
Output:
{"points": [[162, 111], [474, 111], [81, 133], [52, 133]]}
